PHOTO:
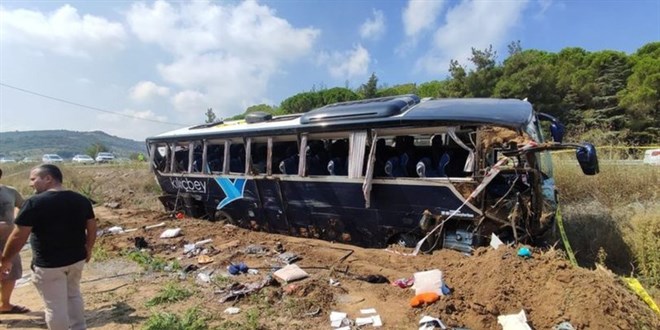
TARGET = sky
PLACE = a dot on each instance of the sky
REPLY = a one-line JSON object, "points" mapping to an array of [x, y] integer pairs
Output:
{"points": [[134, 69]]}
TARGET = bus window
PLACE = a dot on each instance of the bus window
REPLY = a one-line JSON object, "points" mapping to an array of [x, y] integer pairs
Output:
{"points": [[258, 157], [317, 157], [338, 164], [285, 157], [237, 158], [216, 154]]}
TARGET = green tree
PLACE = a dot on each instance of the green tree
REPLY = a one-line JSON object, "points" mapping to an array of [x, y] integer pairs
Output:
{"points": [[370, 88], [337, 94], [260, 108], [457, 84], [410, 88], [210, 116], [433, 88], [482, 80], [95, 148], [301, 102]]}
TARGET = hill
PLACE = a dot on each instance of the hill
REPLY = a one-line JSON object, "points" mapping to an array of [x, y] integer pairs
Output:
{"points": [[65, 143]]}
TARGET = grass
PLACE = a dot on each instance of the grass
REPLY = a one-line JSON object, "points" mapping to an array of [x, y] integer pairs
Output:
{"points": [[171, 293], [192, 319], [613, 217], [147, 261], [99, 253]]}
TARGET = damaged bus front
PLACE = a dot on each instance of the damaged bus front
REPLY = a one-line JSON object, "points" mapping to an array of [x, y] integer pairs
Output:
{"points": [[373, 172]]}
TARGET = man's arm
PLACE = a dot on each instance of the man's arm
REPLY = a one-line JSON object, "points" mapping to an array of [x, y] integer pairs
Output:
{"points": [[91, 237], [15, 243]]}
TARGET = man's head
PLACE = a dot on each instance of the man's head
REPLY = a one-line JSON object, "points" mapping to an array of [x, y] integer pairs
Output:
{"points": [[44, 177], [0, 173]]}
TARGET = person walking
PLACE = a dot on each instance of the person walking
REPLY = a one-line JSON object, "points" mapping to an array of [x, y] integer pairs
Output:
{"points": [[63, 229], [10, 199]]}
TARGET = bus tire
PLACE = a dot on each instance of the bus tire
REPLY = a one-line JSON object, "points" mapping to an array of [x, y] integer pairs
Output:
{"points": [[222, 216]]}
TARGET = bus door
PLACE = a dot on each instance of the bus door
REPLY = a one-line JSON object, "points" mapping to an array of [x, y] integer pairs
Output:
{"points": [[273, 205]]}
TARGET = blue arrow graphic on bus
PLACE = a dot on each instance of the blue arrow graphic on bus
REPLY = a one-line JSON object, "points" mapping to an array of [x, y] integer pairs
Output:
{"points": [[233, 190]]}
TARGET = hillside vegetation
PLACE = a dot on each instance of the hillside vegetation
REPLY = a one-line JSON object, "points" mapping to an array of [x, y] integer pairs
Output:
{"points": [[65, 143]]}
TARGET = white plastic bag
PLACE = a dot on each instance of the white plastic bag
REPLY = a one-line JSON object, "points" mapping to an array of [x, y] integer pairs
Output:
{"points": [[428, 281]]}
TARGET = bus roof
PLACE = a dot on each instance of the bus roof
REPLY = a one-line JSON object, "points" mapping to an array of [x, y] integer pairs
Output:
{"points": [[383, 112]]}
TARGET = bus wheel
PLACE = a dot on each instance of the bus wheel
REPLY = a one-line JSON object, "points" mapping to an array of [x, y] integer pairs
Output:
{"points": [[223, 216]]}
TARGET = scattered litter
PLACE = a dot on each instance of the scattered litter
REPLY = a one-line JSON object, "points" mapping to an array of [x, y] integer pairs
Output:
{"points": [[238, 290], [373, 279], [229, 245], [190, 268], [290, 273], [368, 311], [363, 321], [203, 278], [563, 326], [170, 233], [524, 252], [279, 248], [232, 310], [204, 259], [179, 216], [288, 257], [495, 241], [162, 224], [428, 323], [252, 271], [313, 313], [255, 249], [334, 282], [377, 321], [140, 243], [336, 319], [115, 230], [445, 290], [404, 282], [514, 321], [236, 269], [192, 246], [112, 205], [428, 281], [424, 298]]}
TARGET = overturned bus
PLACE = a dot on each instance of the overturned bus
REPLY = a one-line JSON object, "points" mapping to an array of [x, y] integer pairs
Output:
{"points": [[373, 172]]}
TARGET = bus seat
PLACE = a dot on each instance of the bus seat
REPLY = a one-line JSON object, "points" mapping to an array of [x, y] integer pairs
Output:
{"points": [[315, 166], [289, 165], [396, 166], [442, 166], [338, 166]]}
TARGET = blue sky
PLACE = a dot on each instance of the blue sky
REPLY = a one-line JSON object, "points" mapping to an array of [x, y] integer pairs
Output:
{"points": [[162, 64]]}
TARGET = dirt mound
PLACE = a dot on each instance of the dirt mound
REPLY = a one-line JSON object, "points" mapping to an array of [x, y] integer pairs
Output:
{"points": [[485, 285]]}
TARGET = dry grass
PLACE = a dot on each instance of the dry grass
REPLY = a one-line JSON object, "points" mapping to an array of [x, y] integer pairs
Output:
{"points": [[613, 216]]}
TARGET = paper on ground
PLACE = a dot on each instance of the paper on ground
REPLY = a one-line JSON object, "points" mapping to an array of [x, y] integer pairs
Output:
{"points": [[428, 281], [368, 311], [172, 232], [495, 241], [377, 321], [433, 320], [514, 321], [363, 321]]}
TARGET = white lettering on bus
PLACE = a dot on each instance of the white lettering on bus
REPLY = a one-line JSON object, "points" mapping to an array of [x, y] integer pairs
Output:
{"points": [[188, 185]]}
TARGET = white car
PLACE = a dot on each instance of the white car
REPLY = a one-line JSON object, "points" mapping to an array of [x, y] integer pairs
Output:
{"points": [[82, 159], [52, 158], [652, 157], [104, 157]]}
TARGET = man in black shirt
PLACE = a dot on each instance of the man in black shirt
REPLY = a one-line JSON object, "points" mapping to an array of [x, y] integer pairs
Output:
{"points": [[63, 232]]}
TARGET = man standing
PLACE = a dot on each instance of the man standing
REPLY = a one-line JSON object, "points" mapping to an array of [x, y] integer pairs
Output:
{"points": [[10, 199], [63, 233]]}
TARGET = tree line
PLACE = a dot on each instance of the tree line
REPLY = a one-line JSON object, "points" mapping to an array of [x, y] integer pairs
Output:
{"points": [[604, 96]]}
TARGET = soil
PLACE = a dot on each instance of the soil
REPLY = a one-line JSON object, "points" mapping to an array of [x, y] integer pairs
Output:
{"points": [[484, 285]]}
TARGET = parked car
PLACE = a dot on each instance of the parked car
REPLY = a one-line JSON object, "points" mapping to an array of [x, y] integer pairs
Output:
{"points": [[104, 157], [52, 158], [4, 160], [652, 157], [27, 160], [82, 159]]}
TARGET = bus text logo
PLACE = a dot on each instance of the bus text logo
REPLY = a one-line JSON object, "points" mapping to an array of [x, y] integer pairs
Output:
{"points": [[188, 185]]}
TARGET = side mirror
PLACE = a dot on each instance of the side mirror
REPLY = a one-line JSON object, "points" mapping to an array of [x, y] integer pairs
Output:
{"points": [[586, 156]]}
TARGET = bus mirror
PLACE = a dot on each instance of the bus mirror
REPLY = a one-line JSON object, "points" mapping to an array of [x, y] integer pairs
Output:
{"points": [[557, 131], [586, 156]]}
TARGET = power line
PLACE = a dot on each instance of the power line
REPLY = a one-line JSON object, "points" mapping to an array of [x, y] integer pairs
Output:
{"points": [[89, 107]]}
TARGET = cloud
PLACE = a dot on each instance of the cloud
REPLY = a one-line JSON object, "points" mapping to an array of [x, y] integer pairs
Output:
{"points": [[225, 53], [348, 64], [133, 128], [374, 27], [470, 24], [189, 101], [145, 90], [420, 15], [62, 31]]}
